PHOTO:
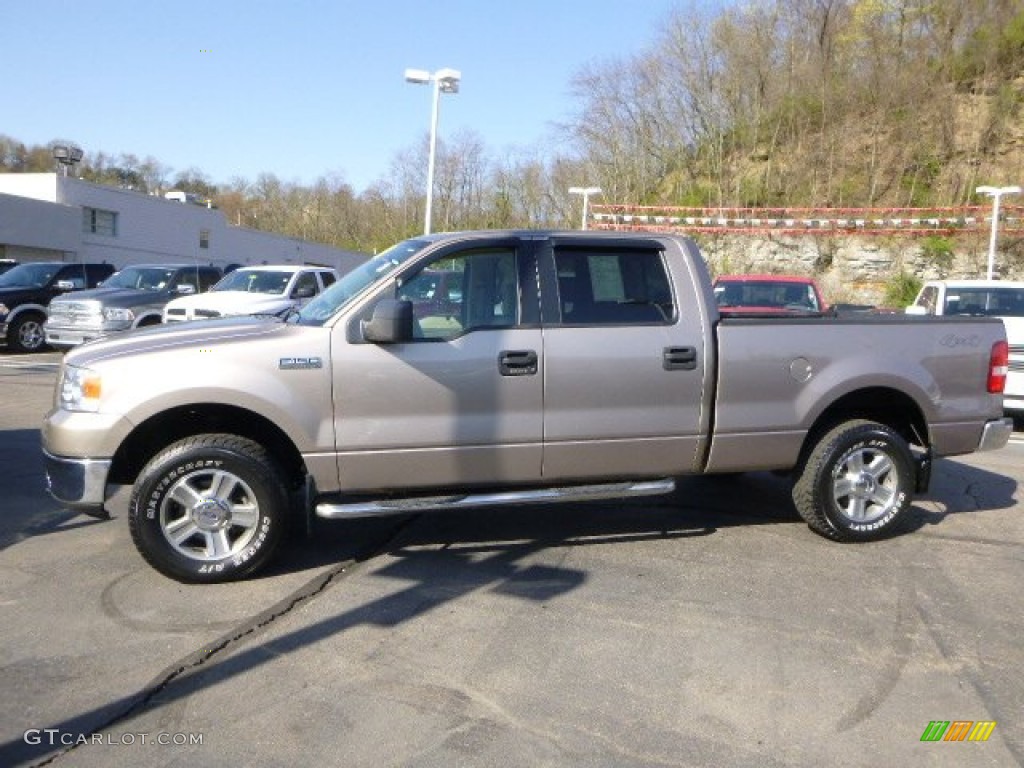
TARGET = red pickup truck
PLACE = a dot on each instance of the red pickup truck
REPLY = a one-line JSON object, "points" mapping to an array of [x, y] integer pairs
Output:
{"points": [[768, 294]]}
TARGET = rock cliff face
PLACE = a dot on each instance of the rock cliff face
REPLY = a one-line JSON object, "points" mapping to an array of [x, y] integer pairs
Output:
{"points": [[856, 269]]}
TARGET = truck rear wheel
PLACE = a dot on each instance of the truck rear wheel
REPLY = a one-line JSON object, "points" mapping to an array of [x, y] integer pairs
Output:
{"points": [[857, 482], [208, 508]]}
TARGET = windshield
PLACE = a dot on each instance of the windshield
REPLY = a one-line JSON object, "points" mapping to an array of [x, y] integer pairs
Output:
{"points": [[355, 282], [995, 302], [28, 275], [141, 278], [255, 281]]}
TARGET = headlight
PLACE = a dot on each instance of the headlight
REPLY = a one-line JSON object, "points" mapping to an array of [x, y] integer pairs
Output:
{"points": [[3, 310], [118, 315], [79, 389]]}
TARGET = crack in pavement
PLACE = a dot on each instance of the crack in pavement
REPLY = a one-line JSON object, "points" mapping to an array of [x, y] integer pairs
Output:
{"points": [[247, 629]]}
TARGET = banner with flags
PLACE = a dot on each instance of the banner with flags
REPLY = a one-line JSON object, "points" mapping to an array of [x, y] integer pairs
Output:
{"points": [[807, 221]]}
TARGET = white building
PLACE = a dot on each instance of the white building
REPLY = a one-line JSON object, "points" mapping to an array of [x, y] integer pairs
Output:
{"points": [[47, 216]]}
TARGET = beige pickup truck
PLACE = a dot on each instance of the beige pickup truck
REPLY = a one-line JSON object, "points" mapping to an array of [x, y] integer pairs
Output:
{"points": [[557, 366]]}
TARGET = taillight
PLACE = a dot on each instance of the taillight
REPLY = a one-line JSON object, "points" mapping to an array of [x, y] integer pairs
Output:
{"points": [[998, 365]]}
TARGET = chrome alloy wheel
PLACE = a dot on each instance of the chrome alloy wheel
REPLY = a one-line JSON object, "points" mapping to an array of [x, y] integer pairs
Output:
{"points": [[865, 485], [209, 514], [31, 335]]}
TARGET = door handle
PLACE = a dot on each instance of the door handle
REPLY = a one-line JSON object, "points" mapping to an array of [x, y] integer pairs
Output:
{"points": [[679, 359], [517, 362]]}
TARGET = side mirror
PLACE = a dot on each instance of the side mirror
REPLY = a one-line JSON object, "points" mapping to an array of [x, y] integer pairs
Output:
{"points": [[64, 285], [914, 309], [304, 292], [391, 322], [184, 289]]}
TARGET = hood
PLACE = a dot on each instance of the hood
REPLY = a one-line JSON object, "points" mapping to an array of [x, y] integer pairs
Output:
{"points": [[116, 297], [235, 302], [205, 333]]}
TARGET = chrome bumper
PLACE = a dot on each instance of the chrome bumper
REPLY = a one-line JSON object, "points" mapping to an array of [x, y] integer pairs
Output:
{"points": [[78, 483], [995, 434]]}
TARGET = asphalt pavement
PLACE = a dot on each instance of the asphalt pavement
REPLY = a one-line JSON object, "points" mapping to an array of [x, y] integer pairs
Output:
{"points": [[706, 628]]}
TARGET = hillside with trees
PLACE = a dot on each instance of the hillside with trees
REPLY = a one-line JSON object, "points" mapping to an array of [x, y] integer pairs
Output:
{"points": [[811, 103], [847, 103]]}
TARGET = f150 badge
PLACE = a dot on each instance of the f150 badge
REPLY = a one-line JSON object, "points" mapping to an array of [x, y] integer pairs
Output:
{"points": [[299, 363]]}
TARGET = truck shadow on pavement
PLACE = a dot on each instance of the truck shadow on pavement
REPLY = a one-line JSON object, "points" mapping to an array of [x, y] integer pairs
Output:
{"points": [[958, 489], [434, 560], [427, 562], [699, 507], [27, 509]]}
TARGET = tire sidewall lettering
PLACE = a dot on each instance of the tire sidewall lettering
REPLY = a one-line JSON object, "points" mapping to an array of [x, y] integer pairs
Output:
{"points": [[170, 477], [257, 543]]}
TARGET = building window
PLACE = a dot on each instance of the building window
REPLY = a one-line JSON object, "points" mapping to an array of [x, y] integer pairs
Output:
{"points": [[99, 222], [204, 238]]}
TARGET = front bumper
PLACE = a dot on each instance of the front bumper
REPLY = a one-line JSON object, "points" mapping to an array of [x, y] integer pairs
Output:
{"points": [[72, 336], [80, 484], [61, 338], [995, 434]]}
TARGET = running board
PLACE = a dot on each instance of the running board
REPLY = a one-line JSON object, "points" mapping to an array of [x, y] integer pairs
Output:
{"points": [[383, 507]]}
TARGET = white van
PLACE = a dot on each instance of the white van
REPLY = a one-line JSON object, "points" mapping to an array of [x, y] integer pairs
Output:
{"points": [[993, 298]]}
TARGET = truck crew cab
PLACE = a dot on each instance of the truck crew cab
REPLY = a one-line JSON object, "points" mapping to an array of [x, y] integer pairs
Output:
{"points": [[566, 366]]}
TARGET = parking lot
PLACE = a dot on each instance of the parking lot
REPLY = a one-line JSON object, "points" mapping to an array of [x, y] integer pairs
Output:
{"points": [[710, 627]]}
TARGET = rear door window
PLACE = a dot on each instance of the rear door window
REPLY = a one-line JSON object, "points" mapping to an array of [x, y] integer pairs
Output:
{"points": [[613, 286]]}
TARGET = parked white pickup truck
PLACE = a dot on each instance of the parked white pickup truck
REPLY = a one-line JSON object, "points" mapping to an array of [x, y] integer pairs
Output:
{"points": [[983, 298], [560, 366], [265, 290]]}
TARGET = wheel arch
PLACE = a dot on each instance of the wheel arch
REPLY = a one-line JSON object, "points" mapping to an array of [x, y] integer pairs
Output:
{"points": [[157, 432], [147, 319], [30, 309], [885, 405]]}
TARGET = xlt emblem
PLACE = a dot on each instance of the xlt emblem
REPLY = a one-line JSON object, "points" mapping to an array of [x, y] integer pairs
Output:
{"points": [[299, 363]]}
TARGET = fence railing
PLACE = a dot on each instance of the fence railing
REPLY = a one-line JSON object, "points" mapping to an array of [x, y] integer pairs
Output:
{"points": [[807, 221]]}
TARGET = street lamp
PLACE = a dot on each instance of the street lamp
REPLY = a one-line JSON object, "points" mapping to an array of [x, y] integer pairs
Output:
{"points": [[586, 192], [67, 155], [996, 193], [445, 81]]}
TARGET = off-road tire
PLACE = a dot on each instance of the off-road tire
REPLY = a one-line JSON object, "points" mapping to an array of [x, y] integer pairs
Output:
{"points": [[209, 508], [857, 482]]}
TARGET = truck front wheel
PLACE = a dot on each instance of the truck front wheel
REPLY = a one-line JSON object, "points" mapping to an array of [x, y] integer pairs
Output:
{"points": [[857, 482], [25, 333], [208, 508]]}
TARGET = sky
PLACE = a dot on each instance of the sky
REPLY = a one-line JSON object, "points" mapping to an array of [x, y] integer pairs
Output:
{"points": [[302, 89]]}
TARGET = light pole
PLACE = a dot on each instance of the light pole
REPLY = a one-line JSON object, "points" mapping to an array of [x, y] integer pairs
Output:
{"points": [[445, 81], [66, 155], [586, 192], [996, 193]]}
